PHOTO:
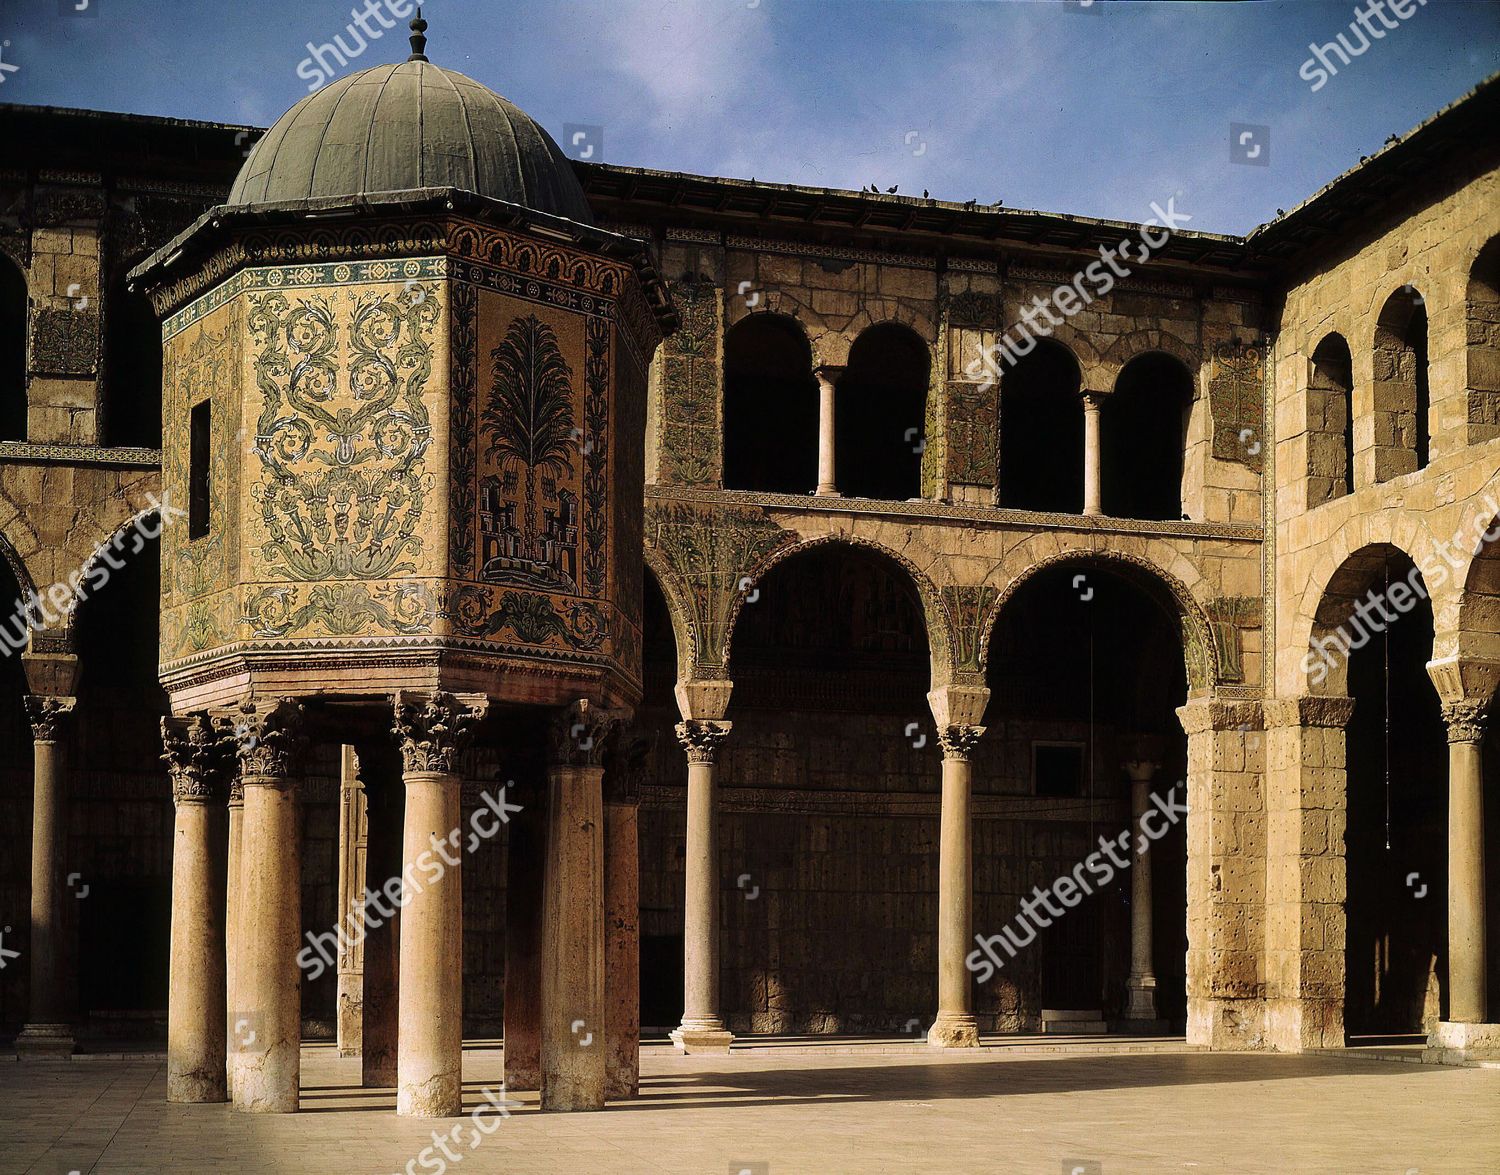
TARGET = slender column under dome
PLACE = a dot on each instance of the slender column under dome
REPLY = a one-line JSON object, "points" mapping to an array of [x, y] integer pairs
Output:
{"points": [[955, 1026], [200, 758], [432, 729], [47, 1031], [266, 1025], [702, 1029]]}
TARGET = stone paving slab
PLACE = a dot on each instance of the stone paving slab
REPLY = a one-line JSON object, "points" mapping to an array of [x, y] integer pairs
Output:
{"points": [[776, 1113]]}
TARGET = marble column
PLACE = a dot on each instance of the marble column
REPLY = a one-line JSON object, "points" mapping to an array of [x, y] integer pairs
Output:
{"points": [[1092, 492], [232, 907], [1140, 986], [525, 866], [433, 729], [702, 1029], [353, 845], [266, 1026], [573, 1065], [200, 758], [827, 461], [47, 1031], [385, 813], [1466, 899], [622, 924], [956, 1025]]}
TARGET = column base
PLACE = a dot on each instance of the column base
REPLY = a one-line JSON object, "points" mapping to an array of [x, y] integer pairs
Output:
{"points": [[45, 1041], [954, 1030], [827, 492], [1140, 998], [702, 1038], [1458, 1041]]}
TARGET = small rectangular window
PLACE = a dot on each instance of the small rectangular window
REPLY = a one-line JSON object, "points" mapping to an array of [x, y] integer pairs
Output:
{"points": [[199, 440], [1057, 769]]}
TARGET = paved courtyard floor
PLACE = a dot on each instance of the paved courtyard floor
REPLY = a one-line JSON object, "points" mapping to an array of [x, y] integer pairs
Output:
{"points": [[1076, 1107]]}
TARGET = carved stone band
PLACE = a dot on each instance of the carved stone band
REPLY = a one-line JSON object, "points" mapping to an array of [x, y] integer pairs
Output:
{"points": [[434, 728], [702, 740], [200, 754]]}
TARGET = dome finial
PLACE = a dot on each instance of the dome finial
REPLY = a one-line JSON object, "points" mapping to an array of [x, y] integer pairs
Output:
{"points": [[418, 41]]}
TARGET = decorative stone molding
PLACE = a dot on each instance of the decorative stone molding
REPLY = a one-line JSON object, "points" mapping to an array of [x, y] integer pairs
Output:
{"points": [[46, 713], [81, 454], [200, 754], [269, 739], [828, 252], [433, 729], [1466, 720], [582, 734], [64, 342], [1200, 715], [958, 742], [1330, 713], [702, 740]]}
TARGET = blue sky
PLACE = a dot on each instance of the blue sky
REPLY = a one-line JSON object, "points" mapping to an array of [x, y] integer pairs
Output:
{"points": [[1039, 103]]}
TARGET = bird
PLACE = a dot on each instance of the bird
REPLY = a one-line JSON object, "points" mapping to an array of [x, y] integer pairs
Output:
{"points": [[969, 205], [926, 195], [1281, 212], [997, 204], [875, 188], [891, 191]]}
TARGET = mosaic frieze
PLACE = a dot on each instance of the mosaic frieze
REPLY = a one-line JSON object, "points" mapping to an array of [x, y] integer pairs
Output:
{"points": [[1236, 397], [692, 433]]}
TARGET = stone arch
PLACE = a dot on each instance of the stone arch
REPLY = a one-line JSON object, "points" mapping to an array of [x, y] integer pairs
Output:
{"points": [[770, 441], [1482, 312], [1041, 429], [1475, 629], [1078, 344], [680, 609], [1162, 572], [1330, 420], [1319, 613], [882, 399], [14, 561], [1400, 396], [1143, 342], [147, 525], [934, 615]]}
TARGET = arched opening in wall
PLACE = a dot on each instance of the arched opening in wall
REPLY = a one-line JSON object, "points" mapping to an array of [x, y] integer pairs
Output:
{"points": [[662, 829], [132, 369], [1400, 393], [830, 801], [15, 796], [14, 312], [1143, 433], [1330, 421], [1086, 671], [770, 407], [120, 803], [1482, 309], [880, 419], [1396, 797], [1041, 432]]}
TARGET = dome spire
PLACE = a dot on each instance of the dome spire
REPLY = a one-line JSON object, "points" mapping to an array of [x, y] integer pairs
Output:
{"points": [[418, 40]]}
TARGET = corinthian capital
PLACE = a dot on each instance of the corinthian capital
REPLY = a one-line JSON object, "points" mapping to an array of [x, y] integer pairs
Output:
{"points": [[46, 714], [200, 754], [583, 733], [269, 739], [959, 740], [434, 728], [1466, 720], [702, 740]]}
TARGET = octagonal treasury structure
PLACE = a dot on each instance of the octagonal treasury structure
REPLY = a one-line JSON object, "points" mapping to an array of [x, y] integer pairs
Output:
{"points": [[406, 430]]}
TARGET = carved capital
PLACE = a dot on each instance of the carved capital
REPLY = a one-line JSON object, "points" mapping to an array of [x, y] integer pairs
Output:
{"points": [[201, 759], [269, 738], [958, 741], [702, 740], [1142, 771], [1466, 720], [434, 728], [625, 772], [46, 713], [581, 734]]}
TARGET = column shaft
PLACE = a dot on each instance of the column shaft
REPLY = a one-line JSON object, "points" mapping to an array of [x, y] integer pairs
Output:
{"points": [[46, 1030], [1466, 900], [827, 466], [702, 1028], [1141, 985], [233, 903], [430, 1045], [385, 815], [622, 950], [197, 1008], [525, 864], [1092, 493], [353, 846], [956, 1025], [573, 1068]]}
